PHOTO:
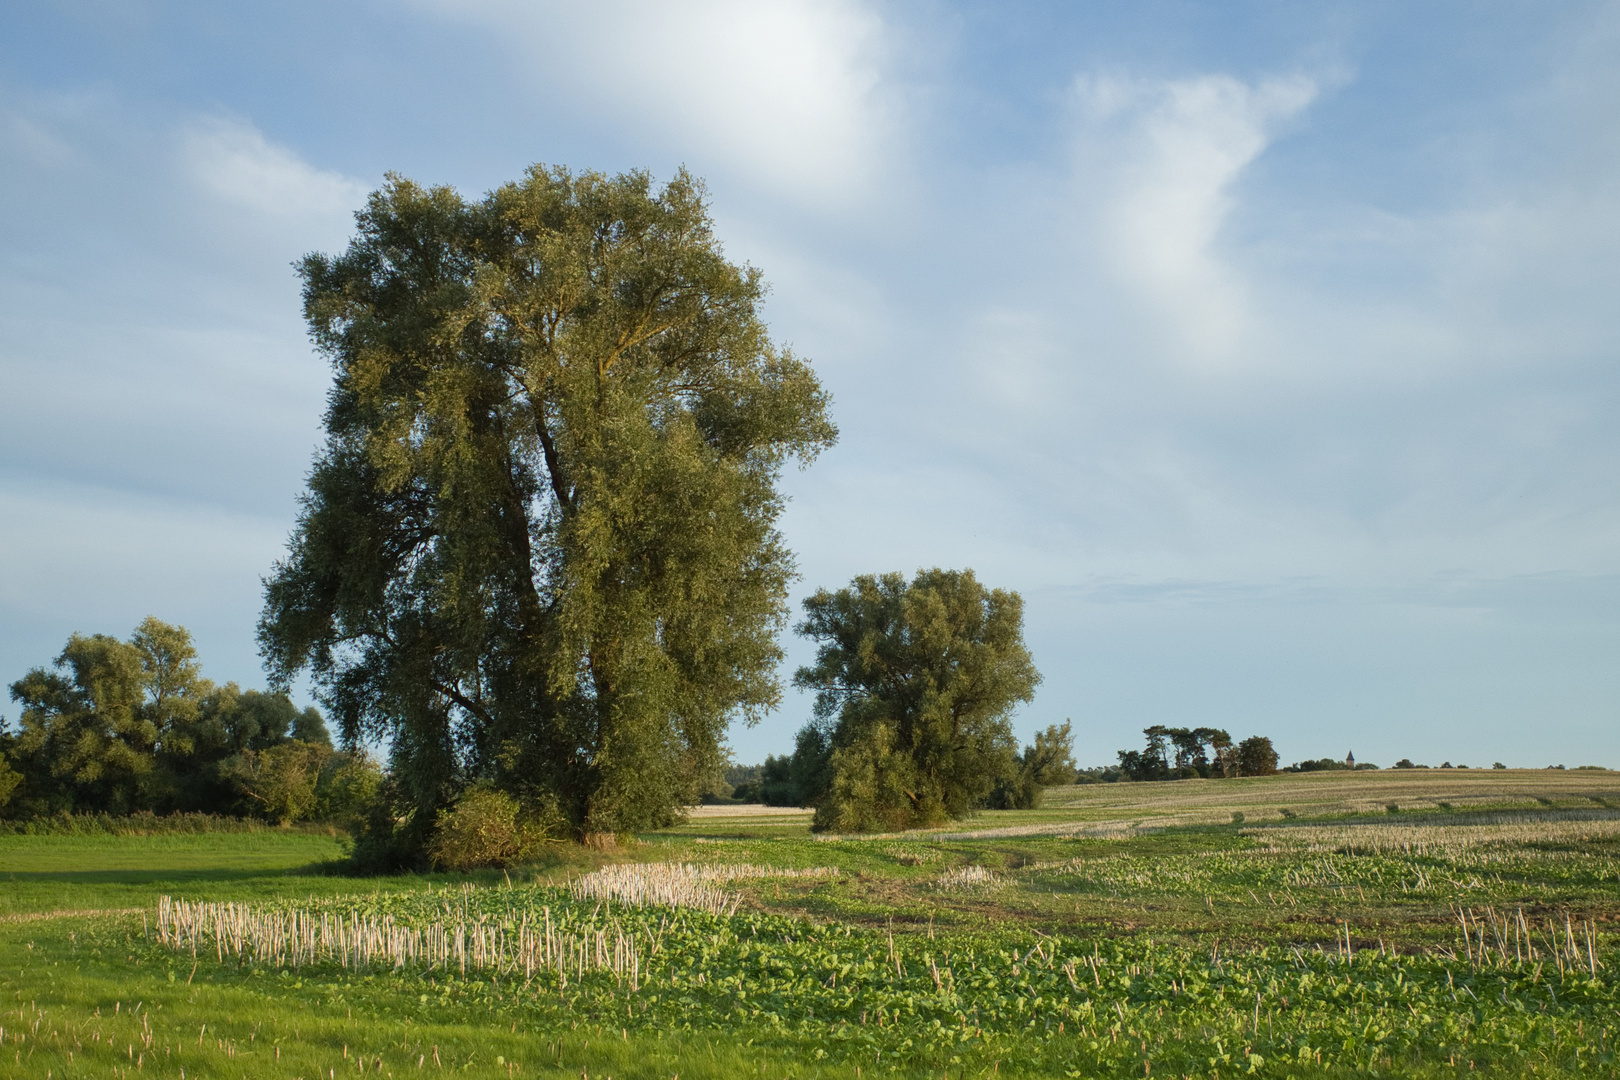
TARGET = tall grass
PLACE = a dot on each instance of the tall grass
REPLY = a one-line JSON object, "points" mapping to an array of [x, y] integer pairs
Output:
{"points": [[680, 884], [144, 823], [353, 940]]}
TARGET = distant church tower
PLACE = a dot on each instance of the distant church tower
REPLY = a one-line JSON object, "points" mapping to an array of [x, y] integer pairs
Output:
{"points": [[1350, 760]]}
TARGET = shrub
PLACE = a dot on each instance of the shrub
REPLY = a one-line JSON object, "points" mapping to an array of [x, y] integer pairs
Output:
{"points": [[484, 828], [140, 823], [1237, 817]]}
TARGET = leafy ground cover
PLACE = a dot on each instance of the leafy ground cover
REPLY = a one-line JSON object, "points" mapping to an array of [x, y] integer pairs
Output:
{"points": [[1429, 942]]}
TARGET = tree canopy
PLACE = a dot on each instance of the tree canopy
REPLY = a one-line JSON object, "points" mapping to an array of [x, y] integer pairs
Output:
{"points": [[539, 550], [915, 683], [120, 727]]}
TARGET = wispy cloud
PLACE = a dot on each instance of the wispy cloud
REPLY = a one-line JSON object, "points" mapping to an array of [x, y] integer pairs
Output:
{"points": [[1165, 156], [233, 162]]}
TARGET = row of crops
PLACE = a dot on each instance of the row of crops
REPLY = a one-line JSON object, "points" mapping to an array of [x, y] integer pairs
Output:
{"points": [[1082, 1005]]}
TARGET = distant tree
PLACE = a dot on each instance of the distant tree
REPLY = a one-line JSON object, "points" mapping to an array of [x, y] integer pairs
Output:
{"points": [[1319, 765], [1050, 758], [810, 767], [85, 743], [1256, 757], [776, 786], [915, 683], [1405, 763], [119, 727], [1494, 765], [1225, 763], [539, 551], [1150, 763], [737, 775], [1046, 762]]}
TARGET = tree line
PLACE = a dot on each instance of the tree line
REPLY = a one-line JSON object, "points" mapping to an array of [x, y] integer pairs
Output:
{"points": [[1174, 753], [128, 726], [538, 559]]}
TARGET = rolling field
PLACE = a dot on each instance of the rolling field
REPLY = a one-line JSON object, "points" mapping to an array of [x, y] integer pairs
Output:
{"points": [[1294, 926]]}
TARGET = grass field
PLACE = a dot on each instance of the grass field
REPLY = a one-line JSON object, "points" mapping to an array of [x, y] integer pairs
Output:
{"points": [[1292, 926]]}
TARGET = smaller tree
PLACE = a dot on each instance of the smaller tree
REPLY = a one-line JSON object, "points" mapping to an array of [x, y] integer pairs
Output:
{"points": [[1256, 757], [1046, 762], [278, 782], [914, 686]]}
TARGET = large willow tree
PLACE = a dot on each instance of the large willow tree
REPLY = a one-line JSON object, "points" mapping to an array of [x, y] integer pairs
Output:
{"points": [[539, 551]]}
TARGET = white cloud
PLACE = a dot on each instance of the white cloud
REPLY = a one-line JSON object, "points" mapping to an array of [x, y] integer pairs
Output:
{"points": [[1172, 151], [235, 164], [789, 92]]}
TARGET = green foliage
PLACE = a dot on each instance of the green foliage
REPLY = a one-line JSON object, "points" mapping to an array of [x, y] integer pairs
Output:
{"points": [[485, 827], [140, 823], [914, 683], [1324, 949], [1176, 753], [774, 785], [1320, 765], [293, 780], [125, 727], [539, 550], [9, 779], [1047, 762], [1043, 1004], [1256, 757], [84, 743]]}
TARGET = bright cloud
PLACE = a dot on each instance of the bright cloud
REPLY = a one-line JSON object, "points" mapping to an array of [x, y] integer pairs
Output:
{"points": [[789, 93], [1175, 150]]}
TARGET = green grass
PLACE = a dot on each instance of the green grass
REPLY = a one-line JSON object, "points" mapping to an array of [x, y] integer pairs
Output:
{"points": [[1323, 945]]}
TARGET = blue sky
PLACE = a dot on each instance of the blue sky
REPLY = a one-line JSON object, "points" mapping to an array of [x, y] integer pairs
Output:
{"points": [[1270, 350]]}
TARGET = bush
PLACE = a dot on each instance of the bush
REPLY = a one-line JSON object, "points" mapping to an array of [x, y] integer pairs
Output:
{"points": [[140, 823], [485, 827]]}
